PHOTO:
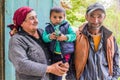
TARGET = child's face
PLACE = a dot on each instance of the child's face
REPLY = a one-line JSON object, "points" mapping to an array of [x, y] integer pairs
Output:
{"points": [[57, 18]]}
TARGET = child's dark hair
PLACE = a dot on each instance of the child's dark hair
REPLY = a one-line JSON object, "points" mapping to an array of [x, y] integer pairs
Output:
{"points": [[57, 9]]}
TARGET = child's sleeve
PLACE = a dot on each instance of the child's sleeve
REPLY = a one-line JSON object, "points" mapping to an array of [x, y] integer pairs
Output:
{"points": [[46, 37], [71, 35]]}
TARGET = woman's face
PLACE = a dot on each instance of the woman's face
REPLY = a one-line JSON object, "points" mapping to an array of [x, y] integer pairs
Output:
{"points": [[30, 24]]}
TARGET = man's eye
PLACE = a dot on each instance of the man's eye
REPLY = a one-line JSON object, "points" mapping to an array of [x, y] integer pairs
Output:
{"points": [[91, 16], [99, 16]]}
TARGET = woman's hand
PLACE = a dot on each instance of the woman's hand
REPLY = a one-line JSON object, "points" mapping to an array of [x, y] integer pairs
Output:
{"points": [[58, 68]]}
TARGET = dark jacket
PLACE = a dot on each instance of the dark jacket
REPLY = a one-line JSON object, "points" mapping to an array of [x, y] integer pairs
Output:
{"points": [[66, 47]]}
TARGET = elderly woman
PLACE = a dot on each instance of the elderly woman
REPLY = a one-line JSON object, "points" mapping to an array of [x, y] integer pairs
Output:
{"points": [[27, 51]]}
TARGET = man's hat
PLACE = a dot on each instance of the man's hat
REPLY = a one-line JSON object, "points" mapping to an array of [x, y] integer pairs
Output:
{"points": [[94, 7]]}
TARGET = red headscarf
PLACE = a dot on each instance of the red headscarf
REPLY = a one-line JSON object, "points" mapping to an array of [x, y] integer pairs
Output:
{"points": [[19, 16]]}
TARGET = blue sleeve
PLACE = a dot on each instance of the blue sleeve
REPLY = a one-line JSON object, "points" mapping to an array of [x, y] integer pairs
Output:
{"points": [[71, 35], [46, 37]]}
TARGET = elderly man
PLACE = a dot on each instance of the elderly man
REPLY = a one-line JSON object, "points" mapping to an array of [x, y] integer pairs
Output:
{"points": [[96, 50]]}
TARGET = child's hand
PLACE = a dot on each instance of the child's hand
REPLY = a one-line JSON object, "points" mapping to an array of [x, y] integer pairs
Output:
{"points": [[53, 36], [62, 38]]}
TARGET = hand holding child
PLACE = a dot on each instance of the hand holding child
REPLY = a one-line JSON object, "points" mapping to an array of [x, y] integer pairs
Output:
{"points": [[58, 68]]}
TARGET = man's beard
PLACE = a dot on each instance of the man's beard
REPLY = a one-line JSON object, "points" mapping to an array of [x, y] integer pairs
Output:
{"points": [[94, 27]]}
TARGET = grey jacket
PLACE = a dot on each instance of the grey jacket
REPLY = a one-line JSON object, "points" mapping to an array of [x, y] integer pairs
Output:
{"points": [[28, 58]]}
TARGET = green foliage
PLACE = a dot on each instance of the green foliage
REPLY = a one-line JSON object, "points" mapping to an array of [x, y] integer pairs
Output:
{"points": [[119, 78], [76, 15], [112, 21]]}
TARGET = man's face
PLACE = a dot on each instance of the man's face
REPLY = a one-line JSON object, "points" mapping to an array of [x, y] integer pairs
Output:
{"points": [[31, 22], [95, 19], [57, 18]]}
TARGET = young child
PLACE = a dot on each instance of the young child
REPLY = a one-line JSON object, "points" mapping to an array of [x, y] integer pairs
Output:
{"points": [[60, 36]]}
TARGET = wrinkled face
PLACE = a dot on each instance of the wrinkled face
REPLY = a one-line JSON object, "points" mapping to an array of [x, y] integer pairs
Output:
{"points": [[57, 18], [31, 22], [95, 19]]}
